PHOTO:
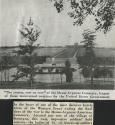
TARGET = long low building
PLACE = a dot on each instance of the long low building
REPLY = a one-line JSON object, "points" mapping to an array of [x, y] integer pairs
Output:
{"points": [[68, 53]]}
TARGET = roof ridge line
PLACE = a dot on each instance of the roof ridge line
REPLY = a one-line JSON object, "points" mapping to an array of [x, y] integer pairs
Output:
{"points": [[59, 52], [75, 51]]}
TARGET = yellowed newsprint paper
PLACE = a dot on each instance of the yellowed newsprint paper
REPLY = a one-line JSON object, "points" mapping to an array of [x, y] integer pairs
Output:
{"points": [[57, 49], [52, 113], [57, 94]]}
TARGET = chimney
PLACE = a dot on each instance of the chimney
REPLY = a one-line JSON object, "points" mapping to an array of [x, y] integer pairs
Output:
{"points": [[75, 44]]}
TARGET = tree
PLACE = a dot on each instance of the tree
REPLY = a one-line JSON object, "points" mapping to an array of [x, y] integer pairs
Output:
{"points": [[88, 61], [68, 71], [102, 10], [5, 64], [30, 33], [1, 69]]}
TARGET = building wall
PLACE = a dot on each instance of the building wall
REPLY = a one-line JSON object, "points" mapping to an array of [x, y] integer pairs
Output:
{"points": [[61, 60]]}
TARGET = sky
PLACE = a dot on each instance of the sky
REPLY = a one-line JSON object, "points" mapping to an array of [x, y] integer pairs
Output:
{"points": [[56, 28]]}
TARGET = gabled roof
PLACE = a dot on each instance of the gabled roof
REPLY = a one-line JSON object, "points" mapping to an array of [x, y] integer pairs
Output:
{"points": [[68, 52]]}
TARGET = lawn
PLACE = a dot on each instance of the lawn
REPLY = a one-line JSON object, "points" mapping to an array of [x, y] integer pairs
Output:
{"points": [[64, 85]]}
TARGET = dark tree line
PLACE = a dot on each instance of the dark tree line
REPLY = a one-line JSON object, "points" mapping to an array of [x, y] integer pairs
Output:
{"points": [[6, 63]]}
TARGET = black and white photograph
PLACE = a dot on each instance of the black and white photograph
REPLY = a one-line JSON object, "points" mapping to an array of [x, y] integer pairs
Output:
{"points": [[57, 44]]}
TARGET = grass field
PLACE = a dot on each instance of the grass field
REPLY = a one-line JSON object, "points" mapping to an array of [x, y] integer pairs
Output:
{"points": [[64, 85]]}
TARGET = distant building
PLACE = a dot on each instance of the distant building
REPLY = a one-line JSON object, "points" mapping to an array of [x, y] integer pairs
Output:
{"points": [[68, 53]]}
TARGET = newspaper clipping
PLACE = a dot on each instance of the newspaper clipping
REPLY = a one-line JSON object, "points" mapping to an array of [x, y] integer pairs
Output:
{"points": [[56, 50], [52, 113], [57, 45]]}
